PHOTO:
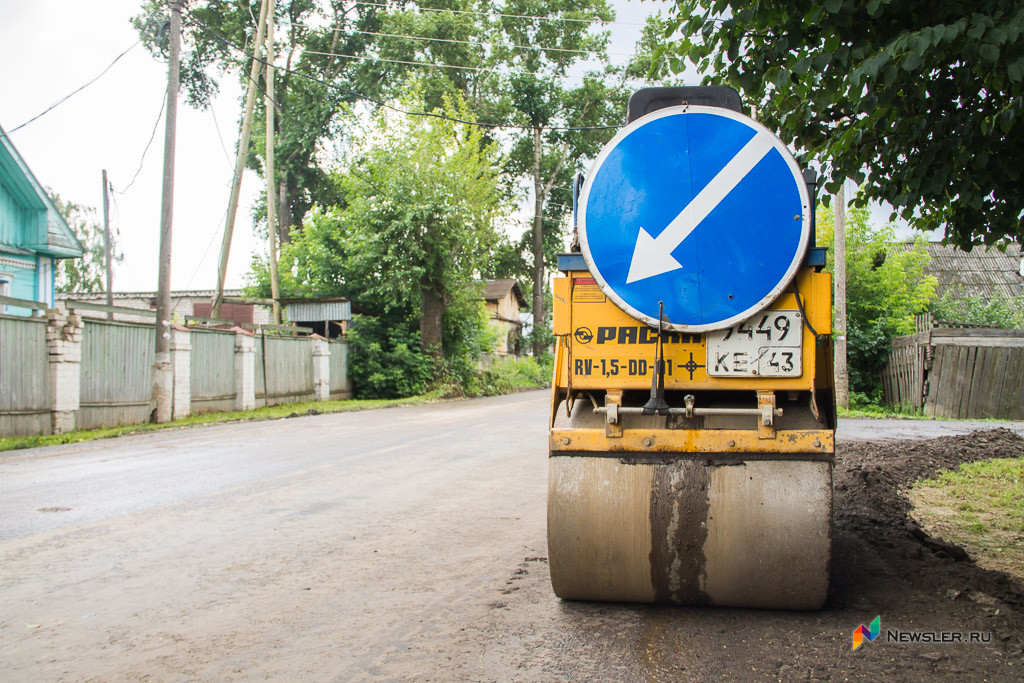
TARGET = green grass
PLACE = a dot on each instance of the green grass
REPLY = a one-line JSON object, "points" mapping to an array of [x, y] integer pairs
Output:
{"points": [[881, 412], [269, 413], [979, 506], [899, 413]]}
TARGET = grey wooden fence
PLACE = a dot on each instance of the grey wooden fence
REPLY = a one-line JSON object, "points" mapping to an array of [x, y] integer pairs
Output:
{"points": [[115, 374], [958, 372], [340, 385], [212, 371], [284, 370], [24, 370]]}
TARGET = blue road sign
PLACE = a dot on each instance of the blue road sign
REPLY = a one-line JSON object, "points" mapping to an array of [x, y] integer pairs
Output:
{"points": [[699, 207]]}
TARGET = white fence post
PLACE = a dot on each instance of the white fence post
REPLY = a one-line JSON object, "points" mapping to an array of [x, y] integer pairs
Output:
{"points": [[321, 368], [181, 369], [245, 371], [64, 346]]}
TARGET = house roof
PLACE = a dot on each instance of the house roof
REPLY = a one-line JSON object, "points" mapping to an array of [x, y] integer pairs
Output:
{"points": [[495, 290], [981, 273], [176, 294], [60, 240]]}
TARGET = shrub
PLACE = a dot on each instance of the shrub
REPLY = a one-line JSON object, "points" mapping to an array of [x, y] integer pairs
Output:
{"points": [[385, 360], [1006, 313]]}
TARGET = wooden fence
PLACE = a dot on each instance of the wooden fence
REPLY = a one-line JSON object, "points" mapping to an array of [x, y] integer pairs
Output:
{"points": [[110, 378], [24, 389], [115, 380], [212, 371], [958, 372], [284, 370], [340, 385]]}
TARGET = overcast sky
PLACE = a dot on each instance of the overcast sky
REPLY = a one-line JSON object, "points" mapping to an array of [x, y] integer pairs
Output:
{"points": [[51, 47]]}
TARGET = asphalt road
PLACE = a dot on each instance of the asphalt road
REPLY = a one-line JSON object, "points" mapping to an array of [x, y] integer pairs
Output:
{"points": [[396, 543]]}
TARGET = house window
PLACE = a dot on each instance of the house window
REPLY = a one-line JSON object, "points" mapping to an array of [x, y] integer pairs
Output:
{"points": [[5, 289]]}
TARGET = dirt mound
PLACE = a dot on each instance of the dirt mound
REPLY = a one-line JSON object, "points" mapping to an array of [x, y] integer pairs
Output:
{"points": [[871, 480]]}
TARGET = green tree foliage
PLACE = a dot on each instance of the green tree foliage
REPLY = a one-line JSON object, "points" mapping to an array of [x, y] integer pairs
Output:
{"points": [[885, 289], [309, 37], [421, 198], [1006, 313], [509, 69], [86, 274], [920, 101], [386, 361]]}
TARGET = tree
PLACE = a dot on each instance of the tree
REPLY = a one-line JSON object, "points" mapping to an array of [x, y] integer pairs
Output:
{"points": [[86, 274], [919, 101], [509, 68], [326, 40], [421, 197], [885, 289]]}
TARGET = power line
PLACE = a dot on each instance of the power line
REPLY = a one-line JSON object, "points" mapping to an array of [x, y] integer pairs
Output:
{"points": [[142, 160], [539, 48], [77, 90], [509, 16], [384, 104], [221, 138], [433, 64]]}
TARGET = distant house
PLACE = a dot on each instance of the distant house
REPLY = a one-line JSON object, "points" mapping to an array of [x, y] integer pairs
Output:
{"points": [[504, 299], [33, 234], [194, 302], [981, 273]]}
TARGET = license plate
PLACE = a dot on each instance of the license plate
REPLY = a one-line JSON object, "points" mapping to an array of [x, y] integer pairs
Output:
{"points": [[767, 345]]}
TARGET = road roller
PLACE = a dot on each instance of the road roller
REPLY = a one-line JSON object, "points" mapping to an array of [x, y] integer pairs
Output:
{"points": [[692, 423]]}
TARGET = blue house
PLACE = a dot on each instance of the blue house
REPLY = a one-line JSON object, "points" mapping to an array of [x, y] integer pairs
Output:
{"points": [[33, 234]]}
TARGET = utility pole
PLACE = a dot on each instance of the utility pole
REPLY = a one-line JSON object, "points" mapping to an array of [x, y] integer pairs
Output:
{"points": [[538, 245], [839, 283], [163, 378], [275, 292], [106, 244], [243, 152]]}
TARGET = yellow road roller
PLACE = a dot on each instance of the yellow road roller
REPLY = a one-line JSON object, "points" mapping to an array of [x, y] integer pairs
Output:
{"points": [[692, 425]]}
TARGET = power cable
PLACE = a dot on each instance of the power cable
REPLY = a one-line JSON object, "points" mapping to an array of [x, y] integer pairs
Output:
{"points": [[220, 137], [152, 135], [478, 43], [508, 16], [381, 103], [77, 90], [433, 64]]}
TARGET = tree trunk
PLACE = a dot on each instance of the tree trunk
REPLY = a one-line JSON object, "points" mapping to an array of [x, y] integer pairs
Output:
{"points": [[431, 312], [538, 247]]}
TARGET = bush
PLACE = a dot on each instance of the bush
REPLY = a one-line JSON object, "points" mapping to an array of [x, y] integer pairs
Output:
{"points": [[885, 289], [509, 375], [386, 361], [1005, 313]]}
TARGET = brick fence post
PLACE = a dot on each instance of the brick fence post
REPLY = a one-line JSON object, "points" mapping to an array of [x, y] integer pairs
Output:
{"points": [[321, 368], [64, 347], [245, 371], [181, 369]]}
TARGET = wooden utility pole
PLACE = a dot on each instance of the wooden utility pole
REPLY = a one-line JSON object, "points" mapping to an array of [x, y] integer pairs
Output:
{"points": [[106, 244], [538, 245], [275, 292], [243, 153], [163, 378], [839, 283]]}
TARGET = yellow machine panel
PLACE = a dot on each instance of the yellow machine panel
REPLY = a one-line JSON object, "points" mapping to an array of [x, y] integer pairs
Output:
{"points": [[604, 348]]}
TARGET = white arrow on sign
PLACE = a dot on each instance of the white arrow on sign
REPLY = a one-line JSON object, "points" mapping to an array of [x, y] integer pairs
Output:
{"points": [[654, 256]]}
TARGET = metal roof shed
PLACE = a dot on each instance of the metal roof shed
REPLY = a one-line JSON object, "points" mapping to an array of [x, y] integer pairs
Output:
{"points": [[319, 313]]}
